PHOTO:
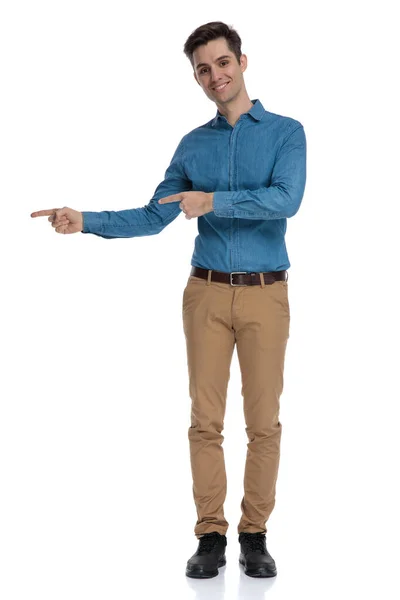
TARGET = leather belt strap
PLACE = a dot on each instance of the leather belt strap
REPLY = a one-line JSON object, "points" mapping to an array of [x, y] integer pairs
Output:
{"points": [[237, 278]]}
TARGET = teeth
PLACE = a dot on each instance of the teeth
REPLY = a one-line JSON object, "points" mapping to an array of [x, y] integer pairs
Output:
{"points": [[220, 87]]}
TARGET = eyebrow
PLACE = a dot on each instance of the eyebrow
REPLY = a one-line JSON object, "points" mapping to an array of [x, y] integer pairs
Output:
{"points": [[218, 59]]}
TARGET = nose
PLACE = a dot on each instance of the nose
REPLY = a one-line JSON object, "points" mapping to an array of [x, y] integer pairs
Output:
{"points": [[216, 76]]}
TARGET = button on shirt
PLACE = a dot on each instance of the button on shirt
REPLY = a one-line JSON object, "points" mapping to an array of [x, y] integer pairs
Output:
{"points": [[257, 171]]}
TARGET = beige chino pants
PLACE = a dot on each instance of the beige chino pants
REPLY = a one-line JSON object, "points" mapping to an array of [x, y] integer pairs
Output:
{"points": [[216, 316]]}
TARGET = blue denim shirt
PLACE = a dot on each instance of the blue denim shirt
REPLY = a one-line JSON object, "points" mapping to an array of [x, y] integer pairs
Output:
{"points": [[257, 171]]}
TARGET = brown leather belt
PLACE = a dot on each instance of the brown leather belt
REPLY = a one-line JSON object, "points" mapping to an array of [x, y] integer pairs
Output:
{"points": [[237, 278]]}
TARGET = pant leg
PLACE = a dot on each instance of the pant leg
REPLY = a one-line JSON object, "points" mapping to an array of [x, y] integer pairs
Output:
{"points": [[210, 342], [261, 321]]}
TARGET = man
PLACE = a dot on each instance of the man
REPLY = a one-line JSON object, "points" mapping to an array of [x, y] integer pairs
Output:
{"points": [[242, 175]]}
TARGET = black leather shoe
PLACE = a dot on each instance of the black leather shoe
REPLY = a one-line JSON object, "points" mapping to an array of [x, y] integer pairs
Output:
{"points": [[254, 555], [209, 556]]}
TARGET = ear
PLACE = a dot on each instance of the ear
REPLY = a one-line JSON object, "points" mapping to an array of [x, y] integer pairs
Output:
{"points": [[243, 63]]}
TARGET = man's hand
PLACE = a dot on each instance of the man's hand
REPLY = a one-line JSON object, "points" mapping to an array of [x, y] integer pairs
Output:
{"points": [[65, 220], [193, 204]]}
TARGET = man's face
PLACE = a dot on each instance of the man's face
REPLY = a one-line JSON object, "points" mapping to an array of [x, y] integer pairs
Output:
{"points": [[214, 66]]}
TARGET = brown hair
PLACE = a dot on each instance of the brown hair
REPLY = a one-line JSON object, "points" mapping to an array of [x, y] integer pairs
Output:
{"points": [[212, 31]]}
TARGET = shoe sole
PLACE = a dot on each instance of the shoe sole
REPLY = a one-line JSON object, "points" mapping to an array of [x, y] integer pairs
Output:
{"points": [[198, 572], [258, 571]]}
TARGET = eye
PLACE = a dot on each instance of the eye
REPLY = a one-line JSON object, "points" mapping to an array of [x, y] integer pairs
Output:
{"points": [[202, 70], [225, 61]]}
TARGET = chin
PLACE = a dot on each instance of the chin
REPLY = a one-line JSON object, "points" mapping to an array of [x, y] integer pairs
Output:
{"points": [[226, 100]]}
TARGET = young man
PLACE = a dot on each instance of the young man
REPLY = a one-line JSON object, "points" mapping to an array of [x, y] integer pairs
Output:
{"points": [[243, 175]]}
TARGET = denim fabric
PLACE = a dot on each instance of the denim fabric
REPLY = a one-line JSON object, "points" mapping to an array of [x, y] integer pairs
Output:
{"points": [[257, 171]]}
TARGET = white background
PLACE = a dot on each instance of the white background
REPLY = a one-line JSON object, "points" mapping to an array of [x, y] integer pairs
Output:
{"points": [[96, 499]]}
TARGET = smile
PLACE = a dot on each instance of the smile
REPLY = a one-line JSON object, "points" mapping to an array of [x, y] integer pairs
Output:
{"points": [[220, 88]]}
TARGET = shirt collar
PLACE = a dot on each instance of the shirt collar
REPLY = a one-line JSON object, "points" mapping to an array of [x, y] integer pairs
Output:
{"points": [[257, 111]]}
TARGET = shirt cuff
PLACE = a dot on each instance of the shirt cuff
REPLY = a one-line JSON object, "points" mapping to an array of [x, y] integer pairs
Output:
{"points": [[91, 222], [221, 202]]}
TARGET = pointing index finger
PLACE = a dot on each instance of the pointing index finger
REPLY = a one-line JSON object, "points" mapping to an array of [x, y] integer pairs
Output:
{"points": [[173, 198], [44, 213]]}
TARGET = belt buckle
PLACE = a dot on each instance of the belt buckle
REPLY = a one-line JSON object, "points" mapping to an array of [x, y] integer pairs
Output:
{"points": [[237, 273]]}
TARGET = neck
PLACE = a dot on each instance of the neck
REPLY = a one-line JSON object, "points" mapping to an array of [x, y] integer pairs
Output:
{"points": [[236, 107]]}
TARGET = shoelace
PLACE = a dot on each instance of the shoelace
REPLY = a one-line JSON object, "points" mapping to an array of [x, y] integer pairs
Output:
{"points": [[207, 542], [254, 541]]}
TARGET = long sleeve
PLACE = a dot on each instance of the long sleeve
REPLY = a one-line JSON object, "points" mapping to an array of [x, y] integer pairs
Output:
{"points": [[282, 198], [148, 220]]}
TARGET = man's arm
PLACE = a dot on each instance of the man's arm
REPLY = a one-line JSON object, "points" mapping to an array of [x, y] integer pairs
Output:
{"points": [[148, 220], [282, 198]]}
